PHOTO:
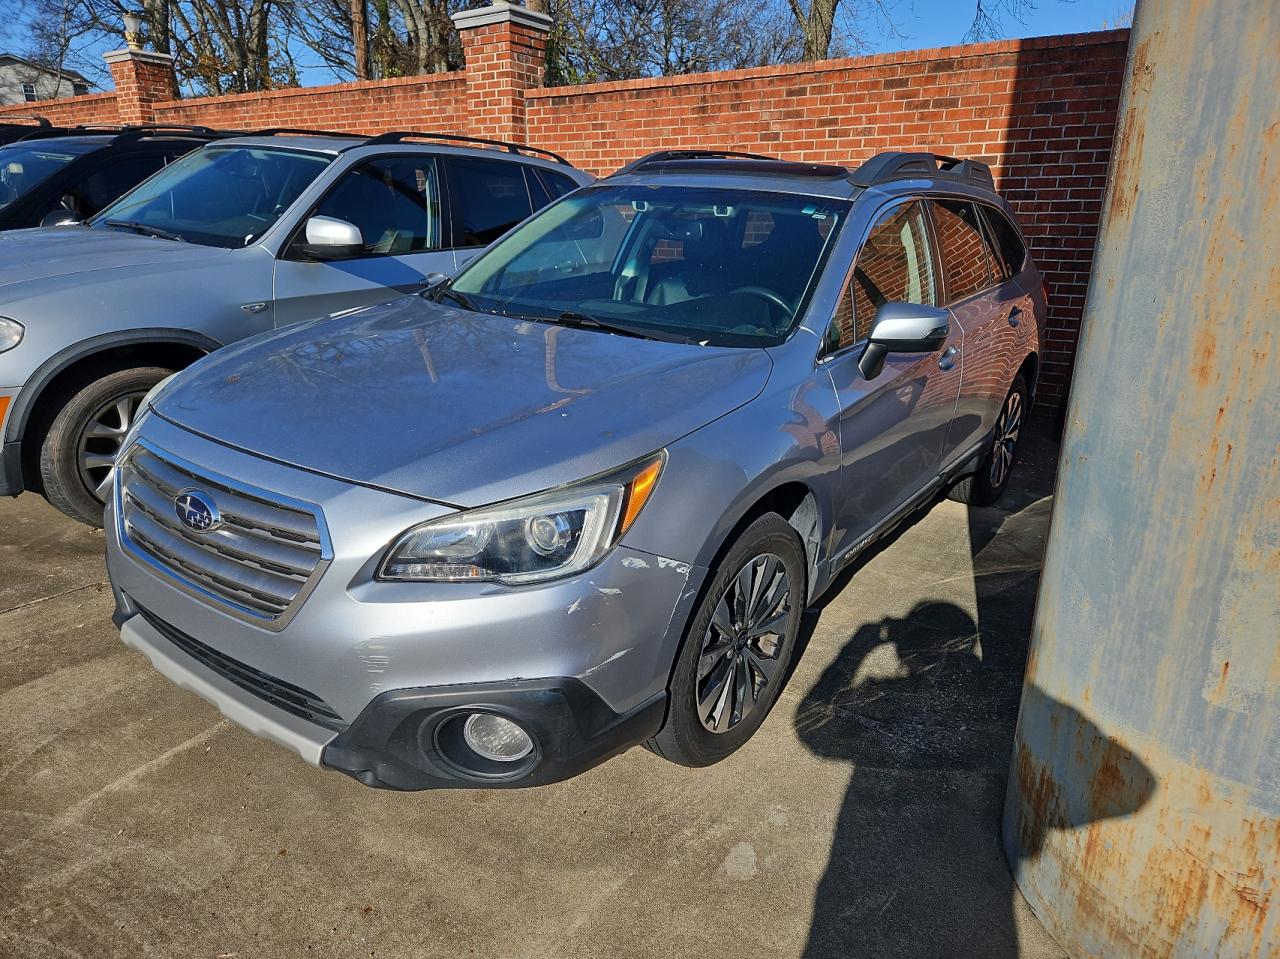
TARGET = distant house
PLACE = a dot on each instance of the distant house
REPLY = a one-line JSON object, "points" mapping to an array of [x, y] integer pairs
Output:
{"points": [[22, 81]]}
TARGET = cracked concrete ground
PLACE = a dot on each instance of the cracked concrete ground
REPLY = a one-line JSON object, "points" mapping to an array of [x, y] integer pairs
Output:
{"points": [[862, 820]]}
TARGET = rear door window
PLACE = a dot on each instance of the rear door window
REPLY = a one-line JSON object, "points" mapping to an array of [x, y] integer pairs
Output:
{"points": [[1009, 249], [968, 262], [487, 198]]}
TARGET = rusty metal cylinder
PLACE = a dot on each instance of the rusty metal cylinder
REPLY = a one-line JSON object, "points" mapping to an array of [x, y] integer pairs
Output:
{"points": [[1142, 813]]}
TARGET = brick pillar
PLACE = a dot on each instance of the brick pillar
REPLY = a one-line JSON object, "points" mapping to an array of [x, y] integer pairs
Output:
{"points": [[142, 80], [505, 46]]}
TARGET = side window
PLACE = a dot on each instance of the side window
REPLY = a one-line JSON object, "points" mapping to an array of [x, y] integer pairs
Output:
{"points": [[968, 261], [557, 184], [395, 201], [1012, 254], [488, 198], [99, 190], [893, 266]]}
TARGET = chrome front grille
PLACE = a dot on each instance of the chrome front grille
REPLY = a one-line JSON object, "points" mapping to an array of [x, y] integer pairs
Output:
{"points": [[259, 562]]}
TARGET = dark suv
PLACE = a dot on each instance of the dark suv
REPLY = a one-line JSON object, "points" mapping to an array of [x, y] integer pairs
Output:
{"points": [[64, 175]]}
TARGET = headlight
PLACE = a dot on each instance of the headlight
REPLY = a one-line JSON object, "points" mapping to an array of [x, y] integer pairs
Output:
{"points": [[541, 537], [11, 332]]}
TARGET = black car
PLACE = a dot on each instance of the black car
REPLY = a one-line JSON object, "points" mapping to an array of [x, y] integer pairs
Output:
{"points": [[16, 126], [63, 175]]}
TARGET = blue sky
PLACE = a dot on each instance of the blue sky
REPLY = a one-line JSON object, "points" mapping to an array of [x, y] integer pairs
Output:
{"points": [[918, 23]]}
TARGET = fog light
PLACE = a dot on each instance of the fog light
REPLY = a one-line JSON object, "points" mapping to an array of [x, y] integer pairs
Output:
{"points": [[496, 738]]}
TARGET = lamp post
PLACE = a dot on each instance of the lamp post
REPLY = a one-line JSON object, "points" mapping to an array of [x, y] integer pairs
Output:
{"points": [[133, 30]]}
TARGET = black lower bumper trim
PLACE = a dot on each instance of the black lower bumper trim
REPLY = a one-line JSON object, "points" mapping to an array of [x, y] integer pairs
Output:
{"points": [[393, 743]]}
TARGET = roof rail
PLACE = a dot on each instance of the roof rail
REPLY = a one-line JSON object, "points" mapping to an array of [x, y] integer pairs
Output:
{"points": [[399, 136], [123, 133], [300, 132], [662, 156], [885, 167], [42, 122]]}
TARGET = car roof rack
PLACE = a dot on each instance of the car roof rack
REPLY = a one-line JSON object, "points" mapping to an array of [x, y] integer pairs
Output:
{"points": [[666, 156], [302, 132], [886, 167], [398, 136], [42, 122], [125, 133]]}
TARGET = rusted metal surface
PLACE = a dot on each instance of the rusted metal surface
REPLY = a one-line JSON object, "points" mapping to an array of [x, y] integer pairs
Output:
{"points": [[1143, 817]]}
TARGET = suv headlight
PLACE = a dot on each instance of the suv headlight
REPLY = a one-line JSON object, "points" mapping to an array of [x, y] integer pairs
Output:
{"points": [[529, 540], [11, 333]]}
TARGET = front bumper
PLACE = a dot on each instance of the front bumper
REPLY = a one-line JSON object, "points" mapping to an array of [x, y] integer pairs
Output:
{"points": [[363, 673]]}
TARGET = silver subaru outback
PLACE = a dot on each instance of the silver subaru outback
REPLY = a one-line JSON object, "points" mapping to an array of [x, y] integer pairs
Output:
{"points": [[577, 497]]}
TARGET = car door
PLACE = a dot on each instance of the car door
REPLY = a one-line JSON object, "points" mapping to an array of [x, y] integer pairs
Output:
{"points": [[486, 199], [983, 304], [395, 200], [892, 427]]}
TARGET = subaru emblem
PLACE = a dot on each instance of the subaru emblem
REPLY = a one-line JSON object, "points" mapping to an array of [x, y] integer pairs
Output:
{"points": [[196, 510]]}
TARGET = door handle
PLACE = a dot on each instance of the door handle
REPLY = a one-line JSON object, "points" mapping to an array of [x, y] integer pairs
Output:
{"points": [[948, 358], [1015, 317]]}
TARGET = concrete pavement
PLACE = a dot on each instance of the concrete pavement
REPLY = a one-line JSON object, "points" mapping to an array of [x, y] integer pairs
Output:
{"points": [[862, 820]]}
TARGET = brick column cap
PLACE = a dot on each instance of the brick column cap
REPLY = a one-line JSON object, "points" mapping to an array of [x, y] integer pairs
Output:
{"points": [[142, 56], [500, 11]]}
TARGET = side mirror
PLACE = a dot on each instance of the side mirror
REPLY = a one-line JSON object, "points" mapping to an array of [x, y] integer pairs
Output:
{"points": [[902, 328], [329, 238], [62, 218], [65, 215]]}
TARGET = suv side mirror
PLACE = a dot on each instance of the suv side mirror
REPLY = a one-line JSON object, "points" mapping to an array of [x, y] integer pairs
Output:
{"points": [[902, 328], [329, 238], [65, 215]]}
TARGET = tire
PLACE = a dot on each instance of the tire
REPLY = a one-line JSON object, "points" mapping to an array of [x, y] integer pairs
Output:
{"points": [[767, 547], [989, 481], [72, 462]]}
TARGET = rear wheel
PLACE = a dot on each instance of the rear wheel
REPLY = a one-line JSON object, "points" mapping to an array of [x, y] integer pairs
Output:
{"points": [[80, 449], [738, 647], [988, 482]]}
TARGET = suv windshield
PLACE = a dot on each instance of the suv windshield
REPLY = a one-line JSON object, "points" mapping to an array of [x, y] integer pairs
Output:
{"points": [[216, 196], [23, 167], [718, 266]]}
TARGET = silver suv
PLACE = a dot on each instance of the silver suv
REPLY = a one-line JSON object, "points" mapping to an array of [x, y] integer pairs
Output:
{"points": [[242, 236], [577, 497]]}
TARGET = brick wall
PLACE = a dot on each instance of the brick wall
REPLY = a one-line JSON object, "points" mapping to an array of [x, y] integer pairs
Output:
{"points": [[94, 108], [434, 102], [1042, 112]]}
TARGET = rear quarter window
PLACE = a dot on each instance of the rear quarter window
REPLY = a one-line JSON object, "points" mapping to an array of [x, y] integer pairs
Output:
{"points": [[1009, 247]]}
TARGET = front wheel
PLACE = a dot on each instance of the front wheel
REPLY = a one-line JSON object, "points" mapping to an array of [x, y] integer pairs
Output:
{"points": [[81, 446], [987, 484], [738, 647]]}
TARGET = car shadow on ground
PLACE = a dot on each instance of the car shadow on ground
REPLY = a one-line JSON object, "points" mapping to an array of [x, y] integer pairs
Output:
{"points": [[916, 866]]}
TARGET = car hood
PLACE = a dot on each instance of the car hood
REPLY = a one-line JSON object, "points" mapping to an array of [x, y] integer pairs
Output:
{"points": [[31, 259], [458, 407]]}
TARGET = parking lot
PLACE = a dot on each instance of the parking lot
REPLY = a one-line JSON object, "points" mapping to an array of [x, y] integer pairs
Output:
{"points": [[863, 820]]}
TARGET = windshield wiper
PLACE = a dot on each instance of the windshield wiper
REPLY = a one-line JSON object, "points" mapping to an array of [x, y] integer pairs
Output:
{"points": [[584, 321], [147, 229], [444, 292]]}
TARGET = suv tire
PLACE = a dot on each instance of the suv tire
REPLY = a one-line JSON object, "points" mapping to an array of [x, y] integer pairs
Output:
{"points": [[984, 486], [107, 405], [737, 685]]}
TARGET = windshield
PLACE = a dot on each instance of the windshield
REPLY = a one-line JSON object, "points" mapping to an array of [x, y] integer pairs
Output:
{"points": [[23, 167], [716, 266], [216, 196]]}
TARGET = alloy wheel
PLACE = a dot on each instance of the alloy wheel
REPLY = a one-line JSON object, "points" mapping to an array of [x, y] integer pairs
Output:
{"points": [[1008, 425], [99, 442], [743, 643]]}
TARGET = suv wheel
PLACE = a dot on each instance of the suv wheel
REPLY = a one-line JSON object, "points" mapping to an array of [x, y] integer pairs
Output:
{"points": [[738, 647], [81, 446], [986, 485]]}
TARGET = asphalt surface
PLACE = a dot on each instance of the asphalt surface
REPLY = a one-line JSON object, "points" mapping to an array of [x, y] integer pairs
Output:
{"points": [[861, 821]]}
